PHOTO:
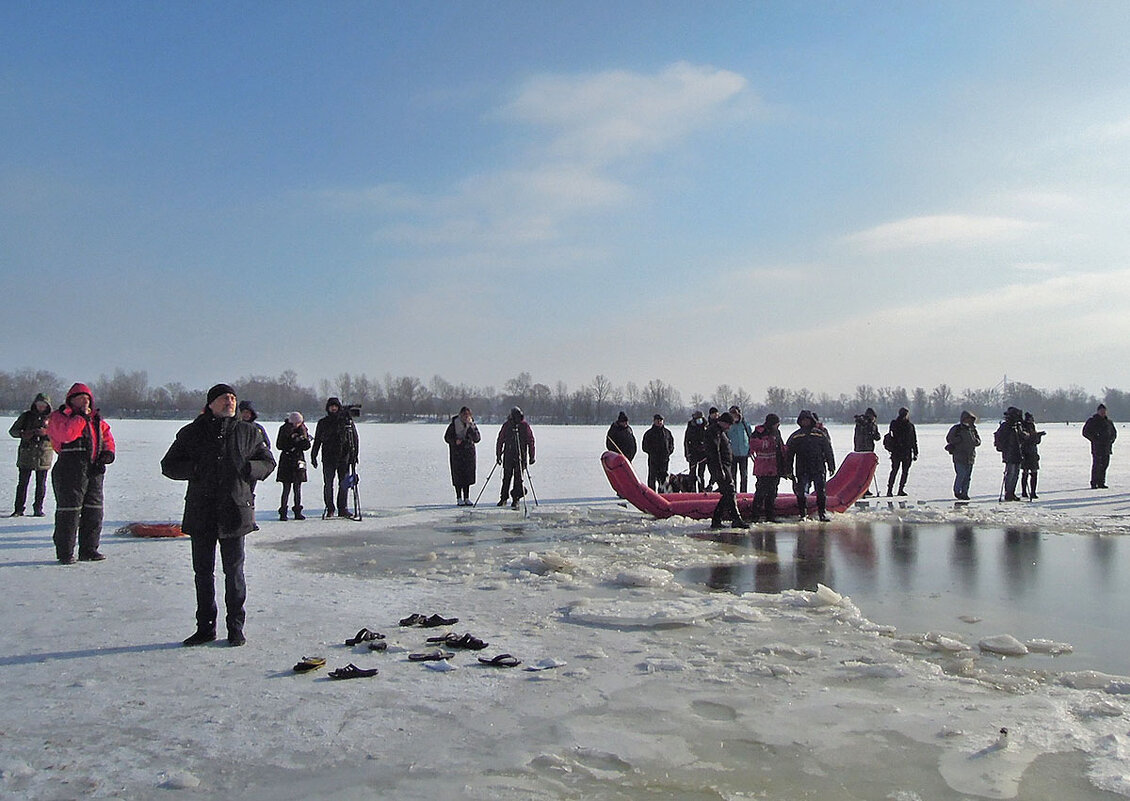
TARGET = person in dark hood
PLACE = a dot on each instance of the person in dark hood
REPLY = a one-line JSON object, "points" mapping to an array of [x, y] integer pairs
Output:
{"points": [[720, 461], [35, 454], [962, 442], [1099, 430], [1009, 440], [336, 437], [248, 414], [866, 431], [1030, 457], [902, 442], [461, 436], [620, 438], [694, 448], [807, 453], [658, 444], [85, 446], [514, 450], [219, 456]]}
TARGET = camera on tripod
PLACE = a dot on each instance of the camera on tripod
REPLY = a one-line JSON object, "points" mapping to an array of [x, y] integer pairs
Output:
{"points": [[354, 409]]}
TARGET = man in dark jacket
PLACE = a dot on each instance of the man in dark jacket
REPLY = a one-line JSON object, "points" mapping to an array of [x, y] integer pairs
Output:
{"points": [[219, 456], [1100, 430], [720, 461], [658, 444], [1009, 440], [807, 452], [962, 442], [514, 449], [694, 448], [34, 455], [620, 438], [336, 437], [903, 446], [866, 431]]}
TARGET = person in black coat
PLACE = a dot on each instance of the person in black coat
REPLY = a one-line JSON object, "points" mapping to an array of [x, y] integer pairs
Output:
{"points": [[219, 456], [34, 455], [720, 461], [807, 453], [866, 431], [694, 448], [514, 450], [1009, 439], [658, 444], [336, 437], [1100, 431], [902, 443], [293, 441], [1030, 457], [620, 437], [461, 435]]}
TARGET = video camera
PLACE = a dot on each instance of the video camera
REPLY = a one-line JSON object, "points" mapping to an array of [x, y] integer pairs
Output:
{"points": [[354, 409]]}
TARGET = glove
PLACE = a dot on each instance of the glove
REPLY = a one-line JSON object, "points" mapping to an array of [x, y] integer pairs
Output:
{"points": [[105, 458]]}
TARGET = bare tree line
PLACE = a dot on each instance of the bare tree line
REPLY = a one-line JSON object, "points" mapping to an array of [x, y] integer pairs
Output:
{"points": [[409, 399]]}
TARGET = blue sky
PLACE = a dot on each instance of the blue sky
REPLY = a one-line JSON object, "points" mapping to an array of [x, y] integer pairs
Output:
{"points": [[798, 194]]}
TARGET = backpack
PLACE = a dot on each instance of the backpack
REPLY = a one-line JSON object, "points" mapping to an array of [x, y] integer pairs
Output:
{"points": [[889, 441], [999, 439]]}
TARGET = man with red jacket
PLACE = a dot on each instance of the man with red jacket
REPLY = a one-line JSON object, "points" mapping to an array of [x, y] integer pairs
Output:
{"points": [[85, 446]]}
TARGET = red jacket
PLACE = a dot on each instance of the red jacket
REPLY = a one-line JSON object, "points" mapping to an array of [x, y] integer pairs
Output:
{"points": [[768, 452], [70, 431]]}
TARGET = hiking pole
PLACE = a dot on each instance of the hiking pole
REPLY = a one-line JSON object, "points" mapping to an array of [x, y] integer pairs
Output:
{"points": [[489, 476]]}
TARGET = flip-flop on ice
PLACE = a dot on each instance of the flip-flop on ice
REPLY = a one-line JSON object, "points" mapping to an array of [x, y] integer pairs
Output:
{"points": [[417, 619], [364, 635], [351, 671], [547, 664], [453, 640], [431, 656], [309, 663], [501, 660]]}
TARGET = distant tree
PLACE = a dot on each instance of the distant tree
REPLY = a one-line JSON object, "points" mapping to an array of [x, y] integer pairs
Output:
{"points": [[941, 401], [601, 395]]}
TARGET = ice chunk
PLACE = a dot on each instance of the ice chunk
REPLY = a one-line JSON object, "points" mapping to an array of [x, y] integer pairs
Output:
{"points": [[826, 596], [644, 577], [1052, 647], [180, 780], [1003, 644]]}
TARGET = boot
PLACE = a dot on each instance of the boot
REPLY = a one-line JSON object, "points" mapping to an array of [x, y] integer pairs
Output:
{"points": [[298, 513], [200, 637], [1032, 492], [282, 513]]}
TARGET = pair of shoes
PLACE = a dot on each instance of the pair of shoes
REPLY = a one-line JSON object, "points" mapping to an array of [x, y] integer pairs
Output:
{"points": [[93, 556], [309, 663], [1102, 486], [236, 639], [351, 671], [17, 513], [466, 640], [1011, 497], [200, 637], [416, 619], [436, 655]]}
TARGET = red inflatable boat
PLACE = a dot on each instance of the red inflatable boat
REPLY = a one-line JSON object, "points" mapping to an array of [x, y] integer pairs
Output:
{"points": [[843, 489]]}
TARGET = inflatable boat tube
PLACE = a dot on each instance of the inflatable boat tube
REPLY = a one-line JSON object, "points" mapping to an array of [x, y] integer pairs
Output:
{"points": [[151, 530], [843, 489]]}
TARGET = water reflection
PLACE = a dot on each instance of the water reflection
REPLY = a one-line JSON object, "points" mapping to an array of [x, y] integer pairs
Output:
{"points": [[1016, 580]]}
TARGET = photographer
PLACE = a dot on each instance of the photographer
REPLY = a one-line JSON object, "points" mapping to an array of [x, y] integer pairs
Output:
{"points": [[336, 438], [1030, 457], [1008, 439]]}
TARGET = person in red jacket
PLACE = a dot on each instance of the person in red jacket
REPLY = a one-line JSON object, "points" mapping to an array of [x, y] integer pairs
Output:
{"points": [[85, 446]]}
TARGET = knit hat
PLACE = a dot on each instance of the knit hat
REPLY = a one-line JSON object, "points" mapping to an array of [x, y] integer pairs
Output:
{"points": [[772, 419], [218, 390], [295, 418], [80, 389], [622, 417]]}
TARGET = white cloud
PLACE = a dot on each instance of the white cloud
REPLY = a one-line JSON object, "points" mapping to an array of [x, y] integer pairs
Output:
{"points": [[940, 229]]}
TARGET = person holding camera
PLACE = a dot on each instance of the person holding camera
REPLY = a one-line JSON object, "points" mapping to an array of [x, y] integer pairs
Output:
{"points": [[335, 437], [461, 436], [35, 454], [1009, 439], [85, 446], [293, 441], [866, 431], [1030, 457]]}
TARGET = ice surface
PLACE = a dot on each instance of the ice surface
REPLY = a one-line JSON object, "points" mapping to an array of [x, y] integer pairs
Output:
{"points": [[665, 689]]}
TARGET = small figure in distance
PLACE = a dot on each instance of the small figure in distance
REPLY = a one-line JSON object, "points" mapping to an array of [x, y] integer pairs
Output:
{"points": [[1100, 431], [1030, 457], [962, 441], [514, 449], [658, 444], [621, 438], [808, 451], [34, 455], [866, 431], [461, 436]]}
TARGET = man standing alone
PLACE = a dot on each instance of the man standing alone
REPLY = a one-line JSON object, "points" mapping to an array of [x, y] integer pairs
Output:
{"points": [[1100, 430], [219, 456]]}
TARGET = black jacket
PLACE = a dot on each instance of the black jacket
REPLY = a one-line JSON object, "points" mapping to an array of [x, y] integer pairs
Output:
{"points": [[622, 440], [462, 456], [808, 451], [694, 442], [1101, 432], [904, 438], [658, 443], [292, 443], [336, 437], [719, 454], [219, 457], [866, 433]]}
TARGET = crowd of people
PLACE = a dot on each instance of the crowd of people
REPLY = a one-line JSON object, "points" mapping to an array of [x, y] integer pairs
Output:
{"points": [[224, 452]]}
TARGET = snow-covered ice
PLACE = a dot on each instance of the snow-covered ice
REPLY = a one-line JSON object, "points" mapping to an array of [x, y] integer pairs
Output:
{"points": [[660, 687]]}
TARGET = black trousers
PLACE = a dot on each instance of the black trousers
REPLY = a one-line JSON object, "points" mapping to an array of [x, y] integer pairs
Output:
{"points": [[78, 505], [512, 470], [765, 497], [235, 585], [286, 495], [40, 489], [800, 489], [1100, 460], [329, 472], [656, 471]]}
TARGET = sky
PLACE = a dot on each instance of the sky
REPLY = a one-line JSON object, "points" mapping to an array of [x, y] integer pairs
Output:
{"points": [[798, 194]]}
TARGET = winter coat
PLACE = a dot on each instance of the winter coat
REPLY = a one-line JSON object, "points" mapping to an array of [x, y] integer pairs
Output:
{"points": [[621, 439], [219, 457], [1101, 432], [808, 451], [658, 444], [1008, 439], [462, 453], [768, 452], [515, 443], [336, 437], [962, 442], [739, 434], [694, 442], [35, 451], [1030, 447], [719, 454], [904, 439], [866, 434], [292, 442], [81, 436]]}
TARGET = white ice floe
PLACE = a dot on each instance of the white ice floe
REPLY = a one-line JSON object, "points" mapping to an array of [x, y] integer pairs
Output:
{"points": [[1003, 644]]}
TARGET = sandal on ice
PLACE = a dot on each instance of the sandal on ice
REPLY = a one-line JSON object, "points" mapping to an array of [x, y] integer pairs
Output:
{"points": [[431, 656], [351, 671], [309, 663], [454, 640], [364, 635], [502, 660], [413, 620], [436, 620]]}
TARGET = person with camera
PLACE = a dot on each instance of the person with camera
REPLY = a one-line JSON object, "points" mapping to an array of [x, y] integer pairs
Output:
{"points": [[461, 436], [1030, 457], [219, 455], [962, 441], [335, 437], [1100, 431], [85, 446], [35, 454], [866, 431], [293, 441], [1009, 439], [514, 450]]}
